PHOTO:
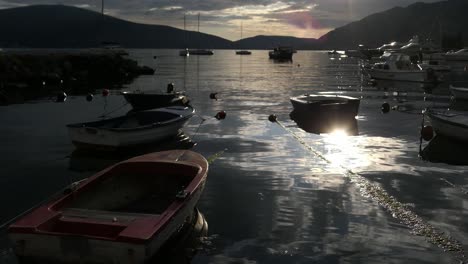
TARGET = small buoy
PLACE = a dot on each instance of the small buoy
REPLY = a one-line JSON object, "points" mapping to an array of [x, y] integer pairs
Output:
{"points": [[213, 96], [272, 118], [61, 97], [154, 57], [170, 87], [385, 108], [89, 97], [220, 115], [298, 65], [105, 92], [427, 133]]}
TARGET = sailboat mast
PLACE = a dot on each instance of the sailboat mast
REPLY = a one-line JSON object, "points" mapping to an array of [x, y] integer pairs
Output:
{"points": [[241, 30], [198, 23], [102, 7]]}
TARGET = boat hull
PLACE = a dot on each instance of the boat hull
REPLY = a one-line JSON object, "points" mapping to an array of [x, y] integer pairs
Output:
{"points": [[145, 101], [87, 136], [327, 105], [407, 76], [448, 126]]}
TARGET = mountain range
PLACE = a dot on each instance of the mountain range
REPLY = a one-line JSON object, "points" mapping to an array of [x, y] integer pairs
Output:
{"points": [[59, 26]]}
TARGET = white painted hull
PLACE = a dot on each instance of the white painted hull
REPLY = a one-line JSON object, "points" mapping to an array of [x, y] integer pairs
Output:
{"points": [[408, 76], [76, 249], [454, 126], [116, 139], [459, 92]]}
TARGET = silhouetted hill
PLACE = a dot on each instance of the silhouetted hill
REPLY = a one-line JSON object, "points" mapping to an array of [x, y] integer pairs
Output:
{"points": [[57, 26], [269, 42], [428, 20]]}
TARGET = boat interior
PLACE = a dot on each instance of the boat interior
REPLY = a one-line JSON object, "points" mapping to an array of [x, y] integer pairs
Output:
{"points": [[135, 187], [129, 191]]}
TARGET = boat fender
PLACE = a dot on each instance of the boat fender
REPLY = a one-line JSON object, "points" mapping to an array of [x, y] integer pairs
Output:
{"points": [[220, 115], [61, 97], [427, 133], [273, 118], [105, 92], [213, 96], [170, 87], [89, 97], [385, 108]]}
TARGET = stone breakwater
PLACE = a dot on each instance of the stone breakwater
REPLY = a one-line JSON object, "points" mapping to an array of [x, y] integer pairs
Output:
{"points": [[31, 76]]}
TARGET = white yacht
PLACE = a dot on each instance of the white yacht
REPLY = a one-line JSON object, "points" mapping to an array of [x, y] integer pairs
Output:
{"points": [[461, 55], [398, 67]]}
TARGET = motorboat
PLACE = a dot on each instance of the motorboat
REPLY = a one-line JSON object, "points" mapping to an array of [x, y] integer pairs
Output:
{"points": [[450, 123], [460, 93], [122, 214], [399, 67], [144, 100], [184, 53], [133, 129], [243, 52], [326, 104], [281, 53]]}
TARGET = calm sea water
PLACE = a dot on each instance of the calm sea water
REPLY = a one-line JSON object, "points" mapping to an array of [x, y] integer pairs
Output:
{"points": [[268, 199]]}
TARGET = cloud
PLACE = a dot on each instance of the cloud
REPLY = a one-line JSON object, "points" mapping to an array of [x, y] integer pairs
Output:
{"points": [[307, 18]]}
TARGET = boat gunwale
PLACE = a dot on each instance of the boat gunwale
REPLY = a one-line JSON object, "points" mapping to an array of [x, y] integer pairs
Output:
{"points": [[434, 115]]}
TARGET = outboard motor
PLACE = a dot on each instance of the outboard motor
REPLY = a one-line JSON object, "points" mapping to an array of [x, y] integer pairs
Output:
{"points": [[170, 88]]}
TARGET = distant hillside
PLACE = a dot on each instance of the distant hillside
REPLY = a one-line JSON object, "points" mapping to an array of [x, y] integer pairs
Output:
{"points": [[268, 42], [400, 24], [57, 26]]}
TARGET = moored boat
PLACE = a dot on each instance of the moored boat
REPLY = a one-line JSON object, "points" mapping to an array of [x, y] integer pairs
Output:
{"points": [[200, 52], [144, 100], [122, 214], [281, 53], [451, 124], [460, 55], [323, 104], [460, 93], [133, 129], [243, 52], [398, 67]]}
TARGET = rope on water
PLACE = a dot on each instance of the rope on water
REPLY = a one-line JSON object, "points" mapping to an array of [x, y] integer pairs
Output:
{"points": [[399, 211], [216, 156], [104, 115]]}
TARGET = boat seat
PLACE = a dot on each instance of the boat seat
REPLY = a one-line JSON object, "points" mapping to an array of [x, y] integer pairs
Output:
{"points": [[106, 216]]}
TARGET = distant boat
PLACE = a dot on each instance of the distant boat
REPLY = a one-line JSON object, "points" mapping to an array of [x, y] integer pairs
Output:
{"points": [[122, 214], [281, 53], [242, 52], [130, 130], [323, 104], [188, 52], [111, 48], [452, 124], [144, 100], [460, 93], [333, 52]]}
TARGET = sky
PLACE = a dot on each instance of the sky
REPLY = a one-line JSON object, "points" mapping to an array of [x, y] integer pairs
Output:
{"points": [[299, 18]]}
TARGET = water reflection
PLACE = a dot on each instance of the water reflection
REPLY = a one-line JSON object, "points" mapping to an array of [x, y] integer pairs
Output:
{"points": [[446, 150], [325, 123]]}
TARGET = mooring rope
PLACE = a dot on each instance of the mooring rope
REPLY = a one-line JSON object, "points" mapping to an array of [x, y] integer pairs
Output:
{"points": [[104, 115], [397, 209]]}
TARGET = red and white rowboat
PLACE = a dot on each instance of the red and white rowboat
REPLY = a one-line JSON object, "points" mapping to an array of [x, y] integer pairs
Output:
{"points": [[122, 214]]}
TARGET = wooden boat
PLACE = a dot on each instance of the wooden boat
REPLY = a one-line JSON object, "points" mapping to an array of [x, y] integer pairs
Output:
{"points": [[122, 214], [133, 129], [460, 93], [281, 53], [318, 104], [452, 124], [154, 99]]}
